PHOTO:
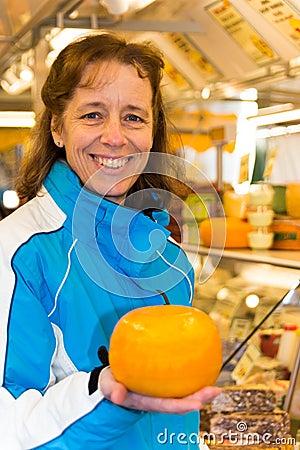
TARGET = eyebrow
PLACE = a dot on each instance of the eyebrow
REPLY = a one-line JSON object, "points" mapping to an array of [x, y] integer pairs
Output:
{"points": [[138, 109], [97, 104]]}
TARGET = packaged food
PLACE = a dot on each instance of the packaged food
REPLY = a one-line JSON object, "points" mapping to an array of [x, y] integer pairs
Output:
{"points": [[271, 426], [249, 398], [286, 234]]}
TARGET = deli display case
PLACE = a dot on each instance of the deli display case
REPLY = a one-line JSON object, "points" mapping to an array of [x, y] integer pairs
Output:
{"points": [[253, 296], [292, 399]]}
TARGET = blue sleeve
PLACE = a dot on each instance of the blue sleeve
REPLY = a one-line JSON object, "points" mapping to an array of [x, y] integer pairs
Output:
{"points": [[58, 414], [103, 428]]}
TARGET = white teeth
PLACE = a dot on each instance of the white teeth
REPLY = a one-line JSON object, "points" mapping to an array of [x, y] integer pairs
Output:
{"points": [[110, 162]]}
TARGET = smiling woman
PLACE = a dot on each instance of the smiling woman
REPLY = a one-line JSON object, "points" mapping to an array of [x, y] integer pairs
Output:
{"points": [[105, 124], [96, 71], [75, 257]]}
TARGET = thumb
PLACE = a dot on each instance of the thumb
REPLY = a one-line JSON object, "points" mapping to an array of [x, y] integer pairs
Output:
{"points": [[118, 393], [207, 394]]}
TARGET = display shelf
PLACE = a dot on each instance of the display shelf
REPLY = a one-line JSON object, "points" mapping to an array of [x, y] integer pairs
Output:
{"points": [[282, 258]]}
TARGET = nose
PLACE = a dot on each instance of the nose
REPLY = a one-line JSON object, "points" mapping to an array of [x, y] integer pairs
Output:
{"points": [[113, 134]]}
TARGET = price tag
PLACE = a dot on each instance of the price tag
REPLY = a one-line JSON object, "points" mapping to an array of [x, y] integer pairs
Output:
{"points": [[239, 328], [271, 157], [244, 169], [245, 364], [226, 307]]}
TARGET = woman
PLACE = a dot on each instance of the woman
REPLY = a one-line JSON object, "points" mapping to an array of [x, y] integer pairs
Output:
{"points": [[74, 257]]}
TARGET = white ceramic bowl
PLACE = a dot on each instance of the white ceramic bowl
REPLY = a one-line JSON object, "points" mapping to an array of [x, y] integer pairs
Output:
{"points": [[258, 240], [260, 218]]}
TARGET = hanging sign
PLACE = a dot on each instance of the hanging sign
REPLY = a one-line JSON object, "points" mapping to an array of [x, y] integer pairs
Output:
{"points": [[282, 16], [242, 32], [189, 50], [175, 76]]}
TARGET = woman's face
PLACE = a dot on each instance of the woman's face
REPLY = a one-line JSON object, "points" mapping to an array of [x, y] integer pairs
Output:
{"points": [[108, 129]]}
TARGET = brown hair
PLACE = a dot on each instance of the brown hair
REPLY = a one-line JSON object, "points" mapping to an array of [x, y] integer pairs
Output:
{"points": [[64, 77]]}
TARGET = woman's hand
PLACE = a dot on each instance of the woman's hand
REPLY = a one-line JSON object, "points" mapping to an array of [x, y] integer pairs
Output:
{"points": [[118, 394]]}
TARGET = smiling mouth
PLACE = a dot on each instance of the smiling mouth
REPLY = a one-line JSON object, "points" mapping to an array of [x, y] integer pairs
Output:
{"points": [[111, 163]]}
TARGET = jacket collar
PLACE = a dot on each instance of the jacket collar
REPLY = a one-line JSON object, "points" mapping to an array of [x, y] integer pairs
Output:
{"points": [[123, 235]]}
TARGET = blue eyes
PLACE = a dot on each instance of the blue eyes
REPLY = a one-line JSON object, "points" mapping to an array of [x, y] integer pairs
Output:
{"points": [[91, 115], [128, 118], [134, 118]]}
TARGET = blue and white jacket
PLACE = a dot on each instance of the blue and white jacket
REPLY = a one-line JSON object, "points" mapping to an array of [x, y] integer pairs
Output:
{"points": [[71, 265]]}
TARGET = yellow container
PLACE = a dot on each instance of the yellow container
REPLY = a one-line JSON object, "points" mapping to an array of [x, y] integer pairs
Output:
{"points": [[224, 233], [292, 199], [235, 205]]}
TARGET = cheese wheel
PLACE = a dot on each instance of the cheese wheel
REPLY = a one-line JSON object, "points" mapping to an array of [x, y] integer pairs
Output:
{"points": [[220, 232]]}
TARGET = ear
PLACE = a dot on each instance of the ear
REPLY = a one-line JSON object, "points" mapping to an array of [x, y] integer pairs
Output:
{"points": [[56, 135]]}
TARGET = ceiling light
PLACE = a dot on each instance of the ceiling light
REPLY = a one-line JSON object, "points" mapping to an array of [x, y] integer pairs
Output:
{"points": [[269, 119], [17, 79], [264, 133], [293, 129], [252, 301], [17, 119], [249, 94], [277, 131], [60, 38], [205, 93], [275, 114], [139, 4], [50, 58], [74, 14], [10, 199], [26, 73], [13, 89], [116, 7], [119, 7], [223, 293]]}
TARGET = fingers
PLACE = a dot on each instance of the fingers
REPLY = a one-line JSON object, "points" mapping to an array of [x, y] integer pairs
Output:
{"points": [[206, 395], [140, 402], [118, 394], [110, 388], [164, 405]]}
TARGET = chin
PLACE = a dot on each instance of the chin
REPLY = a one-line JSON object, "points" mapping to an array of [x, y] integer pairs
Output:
{"points": [[113, 196]]}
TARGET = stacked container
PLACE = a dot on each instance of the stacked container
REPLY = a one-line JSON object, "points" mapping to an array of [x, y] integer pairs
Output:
{"points": [[288, 345], [260, 215]]}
